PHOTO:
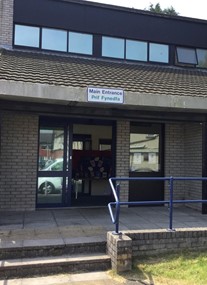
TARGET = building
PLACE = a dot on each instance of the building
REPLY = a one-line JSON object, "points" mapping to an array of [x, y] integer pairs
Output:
{"points": [[89, 91]]}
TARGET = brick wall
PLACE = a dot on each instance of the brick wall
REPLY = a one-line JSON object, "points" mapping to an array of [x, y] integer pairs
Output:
{"points": [[122, 156], [18, 161], [174, 157], [193, 162], [6, 23], [183, 157], [160, 241], [133, 244]]}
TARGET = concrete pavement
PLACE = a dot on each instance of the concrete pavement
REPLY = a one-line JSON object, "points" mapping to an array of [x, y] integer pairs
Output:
{"points": [[94, 278], [65, 226]]}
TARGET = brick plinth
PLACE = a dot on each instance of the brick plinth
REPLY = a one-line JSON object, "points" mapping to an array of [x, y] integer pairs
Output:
{"points": [[119, 248]]}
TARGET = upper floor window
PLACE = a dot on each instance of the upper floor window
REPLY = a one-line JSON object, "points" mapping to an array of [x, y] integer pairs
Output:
{"points": [[80, 43], [53, 39], [186, 55], [194, 57], [118, 48], [113, 47], [27, 36], [202, 57], [158, 53], [136, 50]]}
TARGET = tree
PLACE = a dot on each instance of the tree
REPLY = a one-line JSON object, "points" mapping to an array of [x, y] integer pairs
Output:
{"points": [[167, 11]]}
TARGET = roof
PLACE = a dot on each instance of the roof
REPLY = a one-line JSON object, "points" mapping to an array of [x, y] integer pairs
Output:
{"points": [[70, 71]]}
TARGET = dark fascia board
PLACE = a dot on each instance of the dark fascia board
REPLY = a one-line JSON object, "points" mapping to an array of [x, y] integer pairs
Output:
{"points": [[44, 109], [133, 10]]}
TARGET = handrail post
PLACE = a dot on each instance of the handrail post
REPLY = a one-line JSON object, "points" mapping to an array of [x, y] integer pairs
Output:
{"points": [[117, 210], [171, 205]]}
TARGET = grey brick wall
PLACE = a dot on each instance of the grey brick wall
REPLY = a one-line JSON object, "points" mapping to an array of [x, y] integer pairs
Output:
{"points": [[122, 156], [160, 241], [183, 157], [193, 162], [174, 157], [6, 23], [134, 244], [18, 161]]}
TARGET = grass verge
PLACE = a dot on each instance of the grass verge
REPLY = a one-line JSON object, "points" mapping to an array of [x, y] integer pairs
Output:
{"points": [[185, 268]]}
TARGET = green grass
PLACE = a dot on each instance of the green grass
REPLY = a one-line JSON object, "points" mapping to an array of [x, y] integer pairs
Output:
{"points": [[186, 268]]}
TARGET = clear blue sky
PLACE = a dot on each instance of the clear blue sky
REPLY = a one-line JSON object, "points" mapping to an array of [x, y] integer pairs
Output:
{"points": [[187, 8]]}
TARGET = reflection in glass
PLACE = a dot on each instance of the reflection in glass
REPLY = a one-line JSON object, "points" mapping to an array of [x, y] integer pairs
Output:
{"points": [[54, 39], [51, 146], [26, 36], [80, 43], [202, 57], [158, 53], [112, 47], [144, 152], [136, 50], [50, 190], [186, 55]]}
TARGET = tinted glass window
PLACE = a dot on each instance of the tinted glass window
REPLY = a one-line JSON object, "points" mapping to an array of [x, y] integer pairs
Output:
{"points": [[186, 55], [144, 152], [54, 39], [159, 53], [136, 50], [26, 36], [80, 43], [112, 47], [202, 57]]}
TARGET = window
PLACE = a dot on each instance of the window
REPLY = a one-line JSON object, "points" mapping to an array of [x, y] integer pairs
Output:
{"points": [[80, 43], [54, 39], [158, 53], [27, 36], [136, 50], [186, 55], [202, 57], [144, 151], [113, 47], [105, 144]]}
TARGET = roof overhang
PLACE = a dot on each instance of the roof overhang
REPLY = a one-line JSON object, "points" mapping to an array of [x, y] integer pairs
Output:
{"points": [[77, 96]]}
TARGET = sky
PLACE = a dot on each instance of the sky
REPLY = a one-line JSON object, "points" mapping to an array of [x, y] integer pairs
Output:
{"points": [[186, 8]]}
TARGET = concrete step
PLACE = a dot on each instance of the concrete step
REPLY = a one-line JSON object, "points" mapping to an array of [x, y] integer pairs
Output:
{"points": [[39, 266], [43, 249]]}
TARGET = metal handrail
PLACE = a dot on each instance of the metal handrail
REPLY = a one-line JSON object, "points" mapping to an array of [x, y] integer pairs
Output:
{"points": [[170, 202]]}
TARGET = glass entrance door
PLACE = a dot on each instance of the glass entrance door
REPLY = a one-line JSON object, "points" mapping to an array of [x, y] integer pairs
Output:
{"points": [[75, 162], [92, 164]]}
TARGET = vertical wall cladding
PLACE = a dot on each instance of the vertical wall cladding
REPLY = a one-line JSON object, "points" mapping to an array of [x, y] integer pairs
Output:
{"points": [[6, 22], [183, 157], [122, 156], [18, 161]]}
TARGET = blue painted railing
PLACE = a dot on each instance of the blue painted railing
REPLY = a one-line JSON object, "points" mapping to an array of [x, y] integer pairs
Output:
{"points": [[117, 204]]}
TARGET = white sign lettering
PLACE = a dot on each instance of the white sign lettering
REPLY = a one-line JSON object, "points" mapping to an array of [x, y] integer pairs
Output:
{"points": [[104, 95]]}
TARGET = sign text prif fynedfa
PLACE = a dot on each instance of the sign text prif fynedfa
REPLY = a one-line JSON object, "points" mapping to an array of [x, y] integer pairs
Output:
{"points": [[105, 95]]}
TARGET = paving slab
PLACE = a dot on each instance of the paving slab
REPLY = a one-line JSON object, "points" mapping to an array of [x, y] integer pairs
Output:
{"points": [[94, 278], [65, 225]]}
